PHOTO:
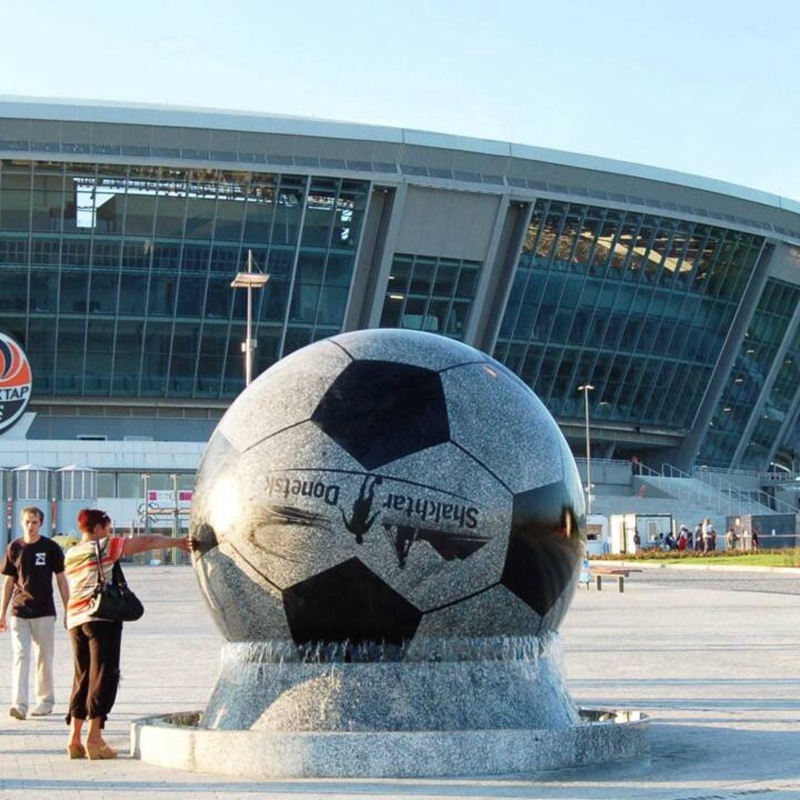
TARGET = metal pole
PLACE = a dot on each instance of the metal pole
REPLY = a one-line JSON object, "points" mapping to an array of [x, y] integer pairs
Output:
{"points": [[586, 388], [588, 457], [248, 363], [145, 476], [249, 280], [176, 524], [248, 345]]}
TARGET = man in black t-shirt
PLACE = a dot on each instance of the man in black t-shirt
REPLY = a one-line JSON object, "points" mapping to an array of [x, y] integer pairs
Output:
{"points": [[29, 565]]}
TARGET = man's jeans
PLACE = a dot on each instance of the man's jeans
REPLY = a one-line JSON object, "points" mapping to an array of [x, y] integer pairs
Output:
{"points": [[40, 632]]}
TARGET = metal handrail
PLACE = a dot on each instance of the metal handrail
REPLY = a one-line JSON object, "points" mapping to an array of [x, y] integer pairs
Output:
{"points": [[681, 491], [728, 498], [731, 498], [716, 481]]}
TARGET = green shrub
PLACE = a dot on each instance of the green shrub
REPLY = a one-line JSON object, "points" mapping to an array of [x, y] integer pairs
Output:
{"points": [[779, 557]]}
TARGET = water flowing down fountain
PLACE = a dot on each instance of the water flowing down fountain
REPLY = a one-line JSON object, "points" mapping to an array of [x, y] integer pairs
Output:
{"points": [[390, 531]]}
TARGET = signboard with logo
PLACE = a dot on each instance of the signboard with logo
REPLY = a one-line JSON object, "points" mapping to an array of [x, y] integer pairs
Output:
{"points": [[15, 381], [162, 501]]}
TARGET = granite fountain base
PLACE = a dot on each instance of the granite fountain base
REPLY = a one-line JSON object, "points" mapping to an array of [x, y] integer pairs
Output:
{"points": [[449, 708]]}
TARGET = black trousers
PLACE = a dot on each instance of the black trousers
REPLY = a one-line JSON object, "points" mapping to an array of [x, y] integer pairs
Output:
{"points": [[96, 654]]}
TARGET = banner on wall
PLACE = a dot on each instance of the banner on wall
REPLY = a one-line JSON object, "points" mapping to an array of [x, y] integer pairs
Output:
{"points": [[16, 381], [162, 501]]}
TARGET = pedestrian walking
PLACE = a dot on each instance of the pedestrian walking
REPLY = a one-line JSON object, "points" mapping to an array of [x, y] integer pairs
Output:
{"points": [[29, 565]]}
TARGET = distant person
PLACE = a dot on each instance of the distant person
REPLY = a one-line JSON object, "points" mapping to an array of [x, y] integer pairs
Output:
{"points": [[637, 542], [705, 532], [586, 570], [698, 538], [29, 564], [683, 538], [730, 540], [96, 643], [756, 532]]}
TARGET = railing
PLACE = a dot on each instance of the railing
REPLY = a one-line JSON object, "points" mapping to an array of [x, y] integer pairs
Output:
{"points": [[606, 470], [724, 497], [717, 481], [681, 491], [781, 478], [732, 498]]}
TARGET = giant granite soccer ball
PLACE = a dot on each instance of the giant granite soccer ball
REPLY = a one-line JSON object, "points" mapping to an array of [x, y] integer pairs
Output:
{"points": [[385, 486]]}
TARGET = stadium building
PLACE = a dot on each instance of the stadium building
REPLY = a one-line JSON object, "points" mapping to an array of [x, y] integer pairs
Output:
{"points": [[661, 306]]}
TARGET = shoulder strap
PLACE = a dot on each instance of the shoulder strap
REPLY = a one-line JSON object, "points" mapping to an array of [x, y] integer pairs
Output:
{"points": [[117, 576], [101, 578]]}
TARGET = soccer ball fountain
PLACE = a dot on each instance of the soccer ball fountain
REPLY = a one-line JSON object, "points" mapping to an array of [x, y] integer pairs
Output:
{"points": [[390, 530]]}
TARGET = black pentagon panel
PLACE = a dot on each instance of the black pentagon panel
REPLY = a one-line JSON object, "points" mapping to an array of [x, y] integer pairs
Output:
{"points": [[349, 604], [545, 547], [379, 411]]}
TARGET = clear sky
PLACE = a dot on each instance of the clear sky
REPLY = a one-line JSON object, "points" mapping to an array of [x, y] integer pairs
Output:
{"points": [[709, 87]]}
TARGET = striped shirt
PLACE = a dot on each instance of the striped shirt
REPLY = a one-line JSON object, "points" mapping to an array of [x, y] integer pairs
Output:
{"points": [[80, 566]]}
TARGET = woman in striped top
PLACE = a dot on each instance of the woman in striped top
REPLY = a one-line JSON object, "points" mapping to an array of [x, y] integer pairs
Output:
{"points": [[96, 643]]}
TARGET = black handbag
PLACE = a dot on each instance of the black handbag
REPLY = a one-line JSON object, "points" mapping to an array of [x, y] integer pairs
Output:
{"points": [[113, 600]]}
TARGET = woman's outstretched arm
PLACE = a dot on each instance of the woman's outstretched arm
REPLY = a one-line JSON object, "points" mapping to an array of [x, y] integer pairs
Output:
{"points": [[153, 541]]}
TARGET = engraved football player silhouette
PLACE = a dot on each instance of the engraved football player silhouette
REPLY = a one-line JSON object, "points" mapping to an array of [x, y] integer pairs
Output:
{"points": [[404, 538], [360, 520]]}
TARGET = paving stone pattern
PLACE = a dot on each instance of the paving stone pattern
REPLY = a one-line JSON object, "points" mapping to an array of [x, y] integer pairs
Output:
{"points": [[713, 657]]}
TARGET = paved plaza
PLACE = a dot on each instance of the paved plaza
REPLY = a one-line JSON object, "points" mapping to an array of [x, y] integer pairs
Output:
{"points": [[712, 656]]}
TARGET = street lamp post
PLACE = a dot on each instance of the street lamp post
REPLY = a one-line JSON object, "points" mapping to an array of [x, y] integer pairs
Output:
{"points": [[175, 522], [249, 280], [176, 531], [145, 476], [586, 388]]}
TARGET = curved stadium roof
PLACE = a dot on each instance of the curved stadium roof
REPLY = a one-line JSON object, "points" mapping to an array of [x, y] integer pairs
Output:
{"points": [[121, 225]]}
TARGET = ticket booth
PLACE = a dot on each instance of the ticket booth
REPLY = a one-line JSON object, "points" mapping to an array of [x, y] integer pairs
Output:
{"points": [[76, 489], [31, 486]]}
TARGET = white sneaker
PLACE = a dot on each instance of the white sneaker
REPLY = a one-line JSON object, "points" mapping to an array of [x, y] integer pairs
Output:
{"points": [[16, 713], [41, 711]]}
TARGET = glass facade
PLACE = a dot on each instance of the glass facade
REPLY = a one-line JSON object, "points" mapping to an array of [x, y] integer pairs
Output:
{"points": [[634, 304], [120, 235], [430, 294], [117, 278], [748, 379]]}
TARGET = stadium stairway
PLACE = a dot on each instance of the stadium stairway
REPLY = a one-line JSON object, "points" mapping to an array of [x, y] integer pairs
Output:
{"points": [[688, 499]]}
